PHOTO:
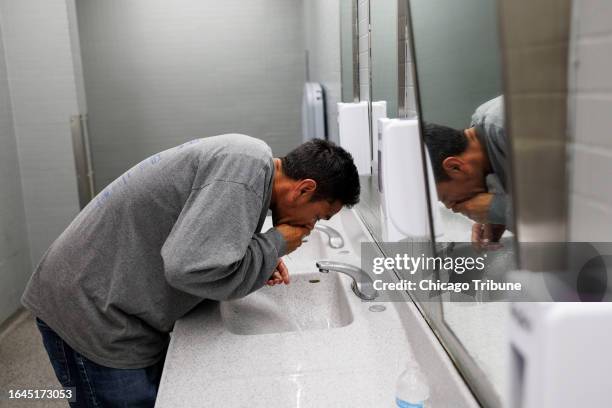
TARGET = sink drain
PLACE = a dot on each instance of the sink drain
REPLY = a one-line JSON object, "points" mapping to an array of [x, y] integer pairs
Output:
{"points": [[377, 308], [314, 281]]}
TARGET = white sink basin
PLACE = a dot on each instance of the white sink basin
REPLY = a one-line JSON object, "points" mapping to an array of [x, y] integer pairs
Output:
{"points": [[311, 301]]}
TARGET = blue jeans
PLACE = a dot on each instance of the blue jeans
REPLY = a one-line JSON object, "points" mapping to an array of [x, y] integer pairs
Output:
{"points": [[98, 386]]}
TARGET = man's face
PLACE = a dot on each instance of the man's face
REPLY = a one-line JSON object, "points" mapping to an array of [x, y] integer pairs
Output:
{"points": [[461, 187], [466, 173], [303, 211]]}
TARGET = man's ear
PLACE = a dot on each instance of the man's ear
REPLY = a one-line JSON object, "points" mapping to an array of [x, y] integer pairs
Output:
{"points": [[307, 187], [453, 166]]}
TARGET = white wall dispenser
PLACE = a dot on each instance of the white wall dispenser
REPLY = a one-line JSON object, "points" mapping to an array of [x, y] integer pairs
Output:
{"points": [[560, 355], [402, 181], [354, 133]]}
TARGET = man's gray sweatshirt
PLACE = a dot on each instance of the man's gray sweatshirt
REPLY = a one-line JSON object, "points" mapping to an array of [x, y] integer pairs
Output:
{"points": [[489, 123], [181, 226]]}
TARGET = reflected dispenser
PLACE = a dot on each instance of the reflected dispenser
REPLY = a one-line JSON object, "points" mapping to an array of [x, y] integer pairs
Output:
{"points": [[354, 134], [401, 181]]}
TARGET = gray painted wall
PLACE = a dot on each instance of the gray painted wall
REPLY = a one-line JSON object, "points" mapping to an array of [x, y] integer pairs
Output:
{"points": [[457, 56], [322, 40], [14, 248], [158, 73], [40, 72], [384, 44], [346, 45]]}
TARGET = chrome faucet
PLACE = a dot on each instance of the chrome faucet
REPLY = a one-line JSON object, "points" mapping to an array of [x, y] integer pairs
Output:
{"points": [[335, 240], [362, 284]]}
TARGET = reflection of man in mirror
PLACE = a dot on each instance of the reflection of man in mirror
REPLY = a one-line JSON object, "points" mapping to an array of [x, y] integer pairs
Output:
{"points": [[470, 170]]}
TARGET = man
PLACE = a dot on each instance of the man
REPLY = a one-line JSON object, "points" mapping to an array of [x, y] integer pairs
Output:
{"points": [[471, 172], [181, 226]]}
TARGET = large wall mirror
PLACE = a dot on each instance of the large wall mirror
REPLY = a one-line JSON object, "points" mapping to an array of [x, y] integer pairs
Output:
{"points": [[440, 62], [458, 63]]}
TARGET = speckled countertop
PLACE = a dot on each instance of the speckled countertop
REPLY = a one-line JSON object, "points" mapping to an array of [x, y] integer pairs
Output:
{"points": [[354, 364]]}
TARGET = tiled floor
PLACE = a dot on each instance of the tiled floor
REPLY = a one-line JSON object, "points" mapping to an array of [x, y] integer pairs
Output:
{"points": [[24, 362]]}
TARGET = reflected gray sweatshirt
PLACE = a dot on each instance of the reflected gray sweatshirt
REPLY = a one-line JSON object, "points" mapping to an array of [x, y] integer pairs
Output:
{"points": [[179, 227], [489, 123]]}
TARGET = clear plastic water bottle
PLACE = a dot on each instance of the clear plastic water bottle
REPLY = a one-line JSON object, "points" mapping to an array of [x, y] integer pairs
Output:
{"points": [[412, 389]]}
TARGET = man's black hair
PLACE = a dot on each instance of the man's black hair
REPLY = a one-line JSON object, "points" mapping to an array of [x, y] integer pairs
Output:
{"points": [[329, 165], [443, 142]]}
